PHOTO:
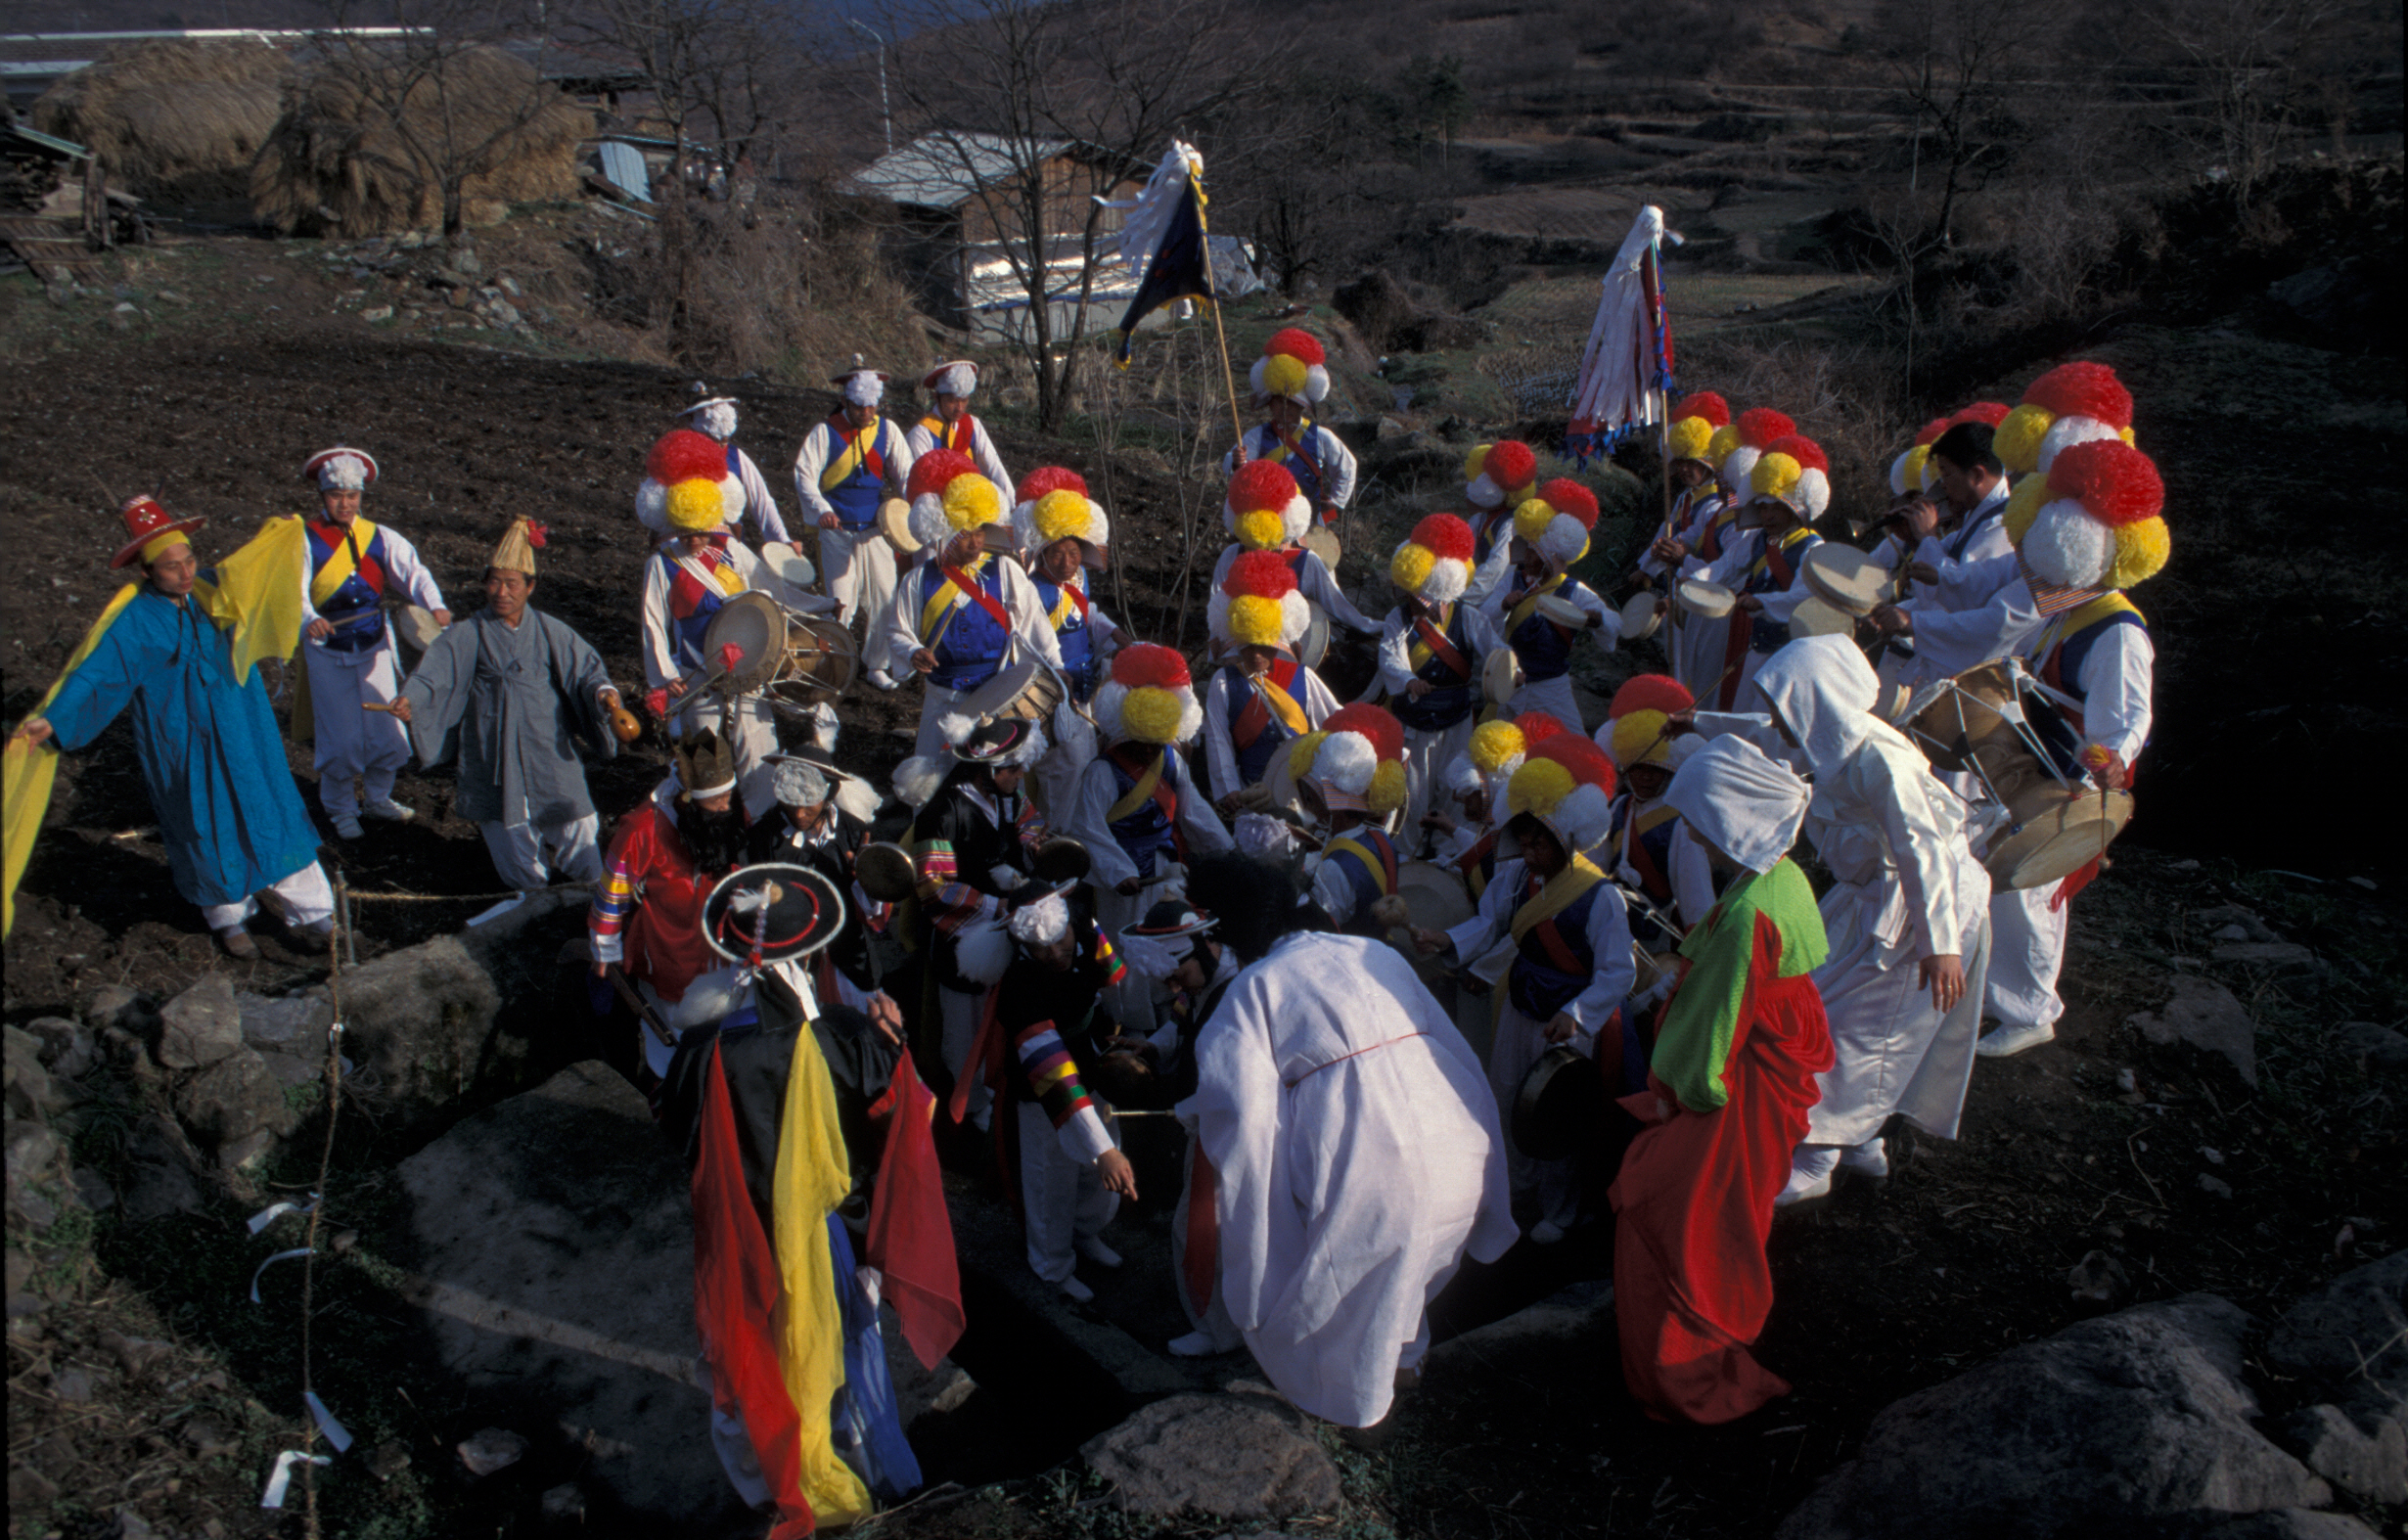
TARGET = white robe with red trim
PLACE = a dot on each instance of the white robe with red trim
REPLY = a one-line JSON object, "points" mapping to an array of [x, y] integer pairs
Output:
{"points": [[1356, 1161]]}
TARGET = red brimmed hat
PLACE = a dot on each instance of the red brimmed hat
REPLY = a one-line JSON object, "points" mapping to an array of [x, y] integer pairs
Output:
{"points": [[146, 521]]}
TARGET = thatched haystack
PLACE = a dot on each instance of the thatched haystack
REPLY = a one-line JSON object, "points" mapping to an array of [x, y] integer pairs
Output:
{"points": [[362, 146], [176, 121]]}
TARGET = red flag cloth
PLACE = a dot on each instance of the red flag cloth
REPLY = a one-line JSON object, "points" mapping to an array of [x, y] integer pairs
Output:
{"points": [[1695, 1203], [737, 1296], [2073, 883], [910, 1237]]}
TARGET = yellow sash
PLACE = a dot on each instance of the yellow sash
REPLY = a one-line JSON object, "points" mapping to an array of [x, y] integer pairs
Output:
{"points": [[1764, 558], [2085, 615], [343, 564], [1648, 822], [1529, 604], [847, 461], [1418, 651], [1561, 890], [1139, 794], [1372, 863], [1282, 704], [940, 610], [1063, 607]]}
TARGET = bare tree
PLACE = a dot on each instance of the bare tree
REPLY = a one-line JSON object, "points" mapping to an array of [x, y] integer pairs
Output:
{"points": [[1956, 63], [709, 65], [1040, 109]]}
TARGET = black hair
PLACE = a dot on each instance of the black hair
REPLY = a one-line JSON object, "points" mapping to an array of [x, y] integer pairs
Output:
{"points": [[1255, 901], [1968, 446]]}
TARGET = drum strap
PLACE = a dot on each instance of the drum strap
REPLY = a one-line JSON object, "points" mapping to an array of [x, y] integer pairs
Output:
{"points": [[1430, 641], [1530, 602], [1472, 864]]}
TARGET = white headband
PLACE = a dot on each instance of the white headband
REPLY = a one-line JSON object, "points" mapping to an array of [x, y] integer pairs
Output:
{"points": [[864, 389]]}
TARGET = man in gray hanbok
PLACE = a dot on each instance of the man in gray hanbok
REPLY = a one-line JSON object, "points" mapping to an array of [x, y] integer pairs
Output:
{"points": [[514, 694]]}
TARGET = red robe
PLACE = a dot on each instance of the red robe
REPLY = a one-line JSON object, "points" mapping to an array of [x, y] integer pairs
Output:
{"points": [[1695, 1201]]}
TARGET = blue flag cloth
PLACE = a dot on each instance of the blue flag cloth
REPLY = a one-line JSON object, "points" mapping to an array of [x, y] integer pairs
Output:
{"points": [[1180, 269]]}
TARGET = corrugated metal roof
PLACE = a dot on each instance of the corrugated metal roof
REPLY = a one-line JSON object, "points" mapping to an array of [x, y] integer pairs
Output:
{"points": [[942, 170]]}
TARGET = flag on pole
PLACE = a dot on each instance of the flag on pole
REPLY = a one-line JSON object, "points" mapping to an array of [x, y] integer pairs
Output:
{"points": [[1165, 239], [1626, 369]]}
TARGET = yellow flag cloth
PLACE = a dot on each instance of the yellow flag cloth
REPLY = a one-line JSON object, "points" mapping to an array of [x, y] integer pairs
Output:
{"points": [[811, 1179], [30, 771]]}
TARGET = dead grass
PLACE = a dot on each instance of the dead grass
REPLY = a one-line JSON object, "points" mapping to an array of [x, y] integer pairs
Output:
{"points": [[175, 121]]}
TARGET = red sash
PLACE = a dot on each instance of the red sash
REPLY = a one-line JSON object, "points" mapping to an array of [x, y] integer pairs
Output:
{"points": [[870, 459], [1133, 765], [1469, 863], [1445, 651], [978, 592], [1550, 937], [1204, 1231], [1634, 845], [1256, 718], [1078, 597]]}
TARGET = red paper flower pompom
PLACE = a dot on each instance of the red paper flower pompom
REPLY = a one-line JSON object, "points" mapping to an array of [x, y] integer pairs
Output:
{"points": [[1261, 485], [1568, 496], [1510, 463], [2082, 388], [1589, 764], [1536, 727], [1651, 692], [1706, 404], [932, 471], [1805, 451], [537, 535], [1264, 575], [1989, 414], [1050, 478], [1295, 344], [2116, 481], [683, 455], [1376, 723], [1149, 663], [1759, 426], [1446, 536], [1932, 431]]}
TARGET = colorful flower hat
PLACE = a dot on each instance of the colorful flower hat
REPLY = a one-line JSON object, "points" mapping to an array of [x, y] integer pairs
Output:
{"points": [[1265, 509], [2100, 524], [1496, 751], [1638, 723], [1149, 698], [687, 487], [1913, 471], [1736, 447], [1694, 421], [1294, 365], [1258, 604], [949, 497], [1434, 563], [341, 469], [1565, 783], [1557, 522], [1794, 473], [1501, 474], [1355, 759], [1055, 506], [2072, 404], [149, 528]]}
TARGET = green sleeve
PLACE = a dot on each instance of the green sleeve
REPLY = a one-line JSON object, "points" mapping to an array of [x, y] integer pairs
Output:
{"points": [[1692, 1045]]}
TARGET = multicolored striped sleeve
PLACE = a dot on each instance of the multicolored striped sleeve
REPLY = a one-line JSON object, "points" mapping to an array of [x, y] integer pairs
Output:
{"points": [[1053, 1082], [950, 902], [613, 901], [1109, 961]]}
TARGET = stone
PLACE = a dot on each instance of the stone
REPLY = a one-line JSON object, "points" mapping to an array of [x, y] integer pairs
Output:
{"points": [[1221, 1456], [2374, 1045], [28, 1486], [289, 1070], [32, 1155], [388, 1460], [72, 1386], [68, 1050], [2214, 1185], [120, 1005], [207, 1436], [2098, 1279], [2108, 1425], [2280, 1524], [131, 1525], [199, 1026], [2265, 954], [2355, 1329], [547, 1239], [288, 1024], [2204, 1018], [501, 312], [233, 1099], [92, 1189], [376, 313], [2226, 918], [565, 1505], [163, 1172], [29, 1091], [238, 1155], [2366, 1462], [134, 1354], [491, 1449]]}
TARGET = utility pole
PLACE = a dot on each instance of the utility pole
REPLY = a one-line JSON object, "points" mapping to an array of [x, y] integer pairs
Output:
{"points": [[886, 115]]}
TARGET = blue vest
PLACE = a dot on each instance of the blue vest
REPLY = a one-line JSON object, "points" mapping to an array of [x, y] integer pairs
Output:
{"points": [[1079, 658], [1255, 758], [1485, 534], [970, 651], [1148, 832], [354, 610], [2063, 740], [1450, 701], [1362, 882], [1766, 635], [856, 498], [1536, 987], [1543, 646]]}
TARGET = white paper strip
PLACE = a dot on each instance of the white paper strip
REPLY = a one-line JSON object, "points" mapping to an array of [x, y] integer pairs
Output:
{"points": [[280, 1480], [271, 1262], [336, 1433], [268, 1215]]}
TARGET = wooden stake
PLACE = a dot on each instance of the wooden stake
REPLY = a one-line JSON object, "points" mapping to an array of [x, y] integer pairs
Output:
{"points": [[1229, 378]]}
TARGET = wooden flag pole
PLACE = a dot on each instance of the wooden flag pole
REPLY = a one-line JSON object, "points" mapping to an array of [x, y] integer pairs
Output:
{"points": [[1229, 378]]}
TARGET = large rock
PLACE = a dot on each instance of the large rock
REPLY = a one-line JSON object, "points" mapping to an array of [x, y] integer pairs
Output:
{"points": [[2350, 1342], [552, 1250], [293, 1024], [27, 1083], [1221, 1455], [2108, 1425], [163, 1174], [2206, 1018], [200, 1026], [235, 1098]]}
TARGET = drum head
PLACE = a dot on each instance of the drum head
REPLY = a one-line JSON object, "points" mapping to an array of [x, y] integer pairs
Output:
{"points": [[1639, 617], [786, 911], [416, 627], [1701, 598], [2055, 837], [755, 625], [1026, 691], [1814, 616], [1060, 860], [789, 566], [820, 660], [1846, 578], [1561, 1100], [895, 522], [1500, 677], [1314, 645], [885, 872], [1562, 612], [1323, 544]]}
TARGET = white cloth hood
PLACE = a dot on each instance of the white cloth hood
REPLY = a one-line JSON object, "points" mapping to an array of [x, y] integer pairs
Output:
{"points": [[1741, 802], [1822, 690]]}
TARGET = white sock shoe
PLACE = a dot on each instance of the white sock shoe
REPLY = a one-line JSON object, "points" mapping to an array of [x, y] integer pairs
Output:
{"points": [[1195, 1344], [2007, 1041], [386, 808], [1075, 1291], [1809, 1175], [1093, 1249], [1870, 1158], [346, 827], [880, 679]]}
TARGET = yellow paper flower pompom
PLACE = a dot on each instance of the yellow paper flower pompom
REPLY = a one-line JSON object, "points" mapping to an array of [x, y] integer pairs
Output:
{"points": [[1775, 474], [1284, 373], [972, 501], [1537, 786], [1261, 530], [1690, 437], [1911, 464], [696, 505], [1476, 461], [2023, 505], [2141, 550], [1639, 739], [1726, 438], [1254, 621], [1531, 519], [1152, 714], [1060, 515], [1302, 753], [2125, 433], [1410, 567], [1495, 743], [1387, 787], [2017, 440]]}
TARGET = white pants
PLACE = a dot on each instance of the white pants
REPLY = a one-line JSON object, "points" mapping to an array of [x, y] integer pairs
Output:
{"points": [[1426, 757], [1552, 697], [1065, 1199], [304, 898], [1131, 1001], [961, 1014], [519, 851], [1893, 1052], [858, 572], [351, 743], [934, 704], [2028, 951], [752, 730], [1521, 1043]]}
